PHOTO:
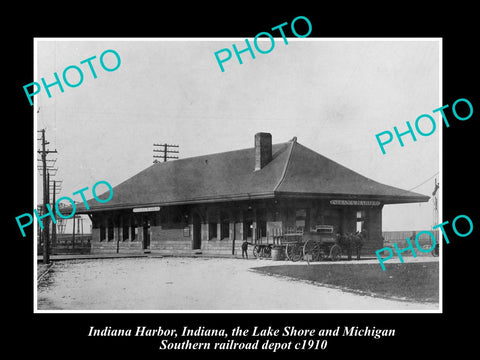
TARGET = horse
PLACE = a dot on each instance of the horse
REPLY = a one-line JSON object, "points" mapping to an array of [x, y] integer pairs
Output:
{"points": [[350, 241], [357, 241], [344, 241]]}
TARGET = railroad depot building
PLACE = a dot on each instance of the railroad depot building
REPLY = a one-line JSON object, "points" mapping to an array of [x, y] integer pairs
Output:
{"points": [[212, 203]]}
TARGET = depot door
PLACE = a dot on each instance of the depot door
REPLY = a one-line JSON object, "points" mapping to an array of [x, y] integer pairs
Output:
{"points": [[197, 238], [146, 234]]}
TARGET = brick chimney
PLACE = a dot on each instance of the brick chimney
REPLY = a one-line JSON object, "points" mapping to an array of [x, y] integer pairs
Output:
{"points": [[263, 150]]}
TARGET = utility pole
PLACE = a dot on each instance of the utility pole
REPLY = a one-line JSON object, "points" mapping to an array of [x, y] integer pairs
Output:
{"points": [[166, 151], [46, 243], [435, 203], [54, 227], [46, 186]]}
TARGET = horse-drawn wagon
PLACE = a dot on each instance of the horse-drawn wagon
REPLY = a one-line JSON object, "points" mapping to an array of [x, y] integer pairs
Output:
{"points": [[312, 246], [318, 245]]}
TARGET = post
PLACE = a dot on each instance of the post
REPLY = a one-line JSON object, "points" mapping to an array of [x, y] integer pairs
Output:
{"points": [[46, 188], [46, 235], [80, 222], [119, 226], [73, 233], [40, 232], [44, 176], [231, 228], [54, 227]]}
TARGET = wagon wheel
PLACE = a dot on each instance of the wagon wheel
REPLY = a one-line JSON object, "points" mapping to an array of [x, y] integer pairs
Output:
{"points": [[297, 252], [312, 251], [287, 252], [335, 252], [294, 251], [256, 251], [267, 252]]}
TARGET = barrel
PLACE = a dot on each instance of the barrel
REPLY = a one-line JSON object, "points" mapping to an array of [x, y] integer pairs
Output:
{"points": [[278, 253]]}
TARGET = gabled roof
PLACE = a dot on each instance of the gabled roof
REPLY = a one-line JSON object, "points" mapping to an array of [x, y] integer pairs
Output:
{"points": [[294, 170], [311, 173]]}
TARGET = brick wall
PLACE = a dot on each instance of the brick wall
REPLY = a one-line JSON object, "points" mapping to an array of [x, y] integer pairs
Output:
{"points": [[123, 246], [373, 223], [167, 227], [223, 247], [170, 237]]}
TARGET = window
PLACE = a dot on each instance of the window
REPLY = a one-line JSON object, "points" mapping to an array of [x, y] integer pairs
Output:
{"points": [[249, 228], [261, 229], [301, 213], [102, 232], [212, 230], [125, 232], [133, 231], [360, 214], [225, 228], [360, 220], [300, 217], [110, 231]]}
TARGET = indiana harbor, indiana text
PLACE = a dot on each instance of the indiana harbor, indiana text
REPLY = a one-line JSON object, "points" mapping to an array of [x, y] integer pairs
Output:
{"points": [[238, 332]]}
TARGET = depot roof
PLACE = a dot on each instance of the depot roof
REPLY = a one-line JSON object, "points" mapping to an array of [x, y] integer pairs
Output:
{"points": [[294, 171]]}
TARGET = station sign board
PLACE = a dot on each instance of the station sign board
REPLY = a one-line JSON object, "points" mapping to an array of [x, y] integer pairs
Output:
{"points": [[355, 202], [146, 209]]}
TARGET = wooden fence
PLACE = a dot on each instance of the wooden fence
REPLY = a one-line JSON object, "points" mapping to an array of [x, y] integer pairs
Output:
{"points": [[65, 244], [399, 237]]}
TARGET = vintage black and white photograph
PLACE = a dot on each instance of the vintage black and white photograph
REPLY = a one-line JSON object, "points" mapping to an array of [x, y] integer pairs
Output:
{"points": [[212, 175]]}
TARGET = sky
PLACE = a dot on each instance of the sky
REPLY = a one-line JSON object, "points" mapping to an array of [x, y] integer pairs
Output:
{"points": [[334, 95]]}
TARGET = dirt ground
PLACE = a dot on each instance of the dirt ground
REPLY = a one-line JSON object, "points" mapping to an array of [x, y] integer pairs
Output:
{"points": [[194, 284]]}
